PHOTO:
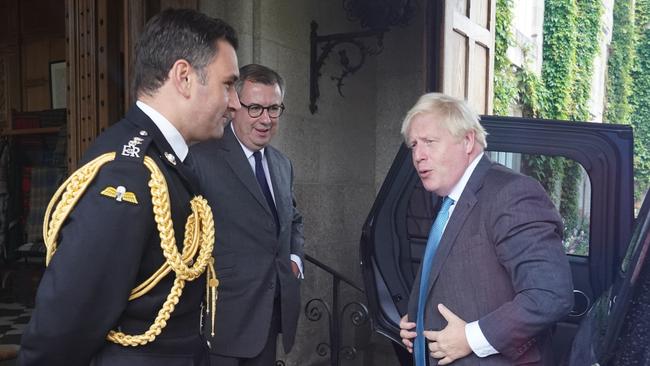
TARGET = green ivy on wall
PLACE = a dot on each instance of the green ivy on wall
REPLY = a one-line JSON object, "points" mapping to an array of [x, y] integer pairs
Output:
{"points": [[619, 65], [505, 82], [571, 42], [587, 47], [628, 81], [587, 34], [640, 98], [513, 85], [559, 62], [531, 87]]}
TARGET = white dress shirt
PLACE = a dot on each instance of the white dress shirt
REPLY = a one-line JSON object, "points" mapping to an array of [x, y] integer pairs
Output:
{"points": [[171, 134]]}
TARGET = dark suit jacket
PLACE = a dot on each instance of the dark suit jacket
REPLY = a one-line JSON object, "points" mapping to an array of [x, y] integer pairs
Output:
{"points": [[249, 257], [105, 249], [500, 261]]}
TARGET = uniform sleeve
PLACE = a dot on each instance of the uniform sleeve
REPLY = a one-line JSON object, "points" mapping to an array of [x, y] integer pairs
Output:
{"points": [[526, 231], [86, 287]]}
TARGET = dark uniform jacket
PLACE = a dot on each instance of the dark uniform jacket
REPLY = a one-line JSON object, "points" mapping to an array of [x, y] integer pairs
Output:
{"points": [[105, 249], [252, 258]]}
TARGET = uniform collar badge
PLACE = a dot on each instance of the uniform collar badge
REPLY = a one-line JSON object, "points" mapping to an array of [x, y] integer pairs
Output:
{"points": [[120, 194], [171, 158]]}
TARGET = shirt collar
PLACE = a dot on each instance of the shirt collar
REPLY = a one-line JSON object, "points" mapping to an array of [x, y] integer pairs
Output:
{"points": [[460, 186], [171, 134], [248, 152]]}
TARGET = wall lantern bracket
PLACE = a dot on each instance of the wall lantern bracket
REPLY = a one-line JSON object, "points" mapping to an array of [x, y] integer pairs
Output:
{"points": [[341, 42]]}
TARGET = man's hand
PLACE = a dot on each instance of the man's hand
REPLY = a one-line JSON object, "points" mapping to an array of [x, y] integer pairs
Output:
{"points": [[295, 269], [407, 333], [449, 344]]}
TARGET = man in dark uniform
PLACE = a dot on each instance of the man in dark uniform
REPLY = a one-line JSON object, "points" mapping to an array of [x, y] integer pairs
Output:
{"points": [[90, 308]]}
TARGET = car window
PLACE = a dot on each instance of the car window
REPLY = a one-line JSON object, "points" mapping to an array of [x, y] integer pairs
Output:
{"points": [[568, 185]]}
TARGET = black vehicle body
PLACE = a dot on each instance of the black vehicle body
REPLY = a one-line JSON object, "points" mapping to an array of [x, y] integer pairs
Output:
{"points": [[392, 247], [616, 331]]}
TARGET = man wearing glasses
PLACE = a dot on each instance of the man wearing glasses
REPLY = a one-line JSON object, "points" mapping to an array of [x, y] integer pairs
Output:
{"points": [[258, 230]]}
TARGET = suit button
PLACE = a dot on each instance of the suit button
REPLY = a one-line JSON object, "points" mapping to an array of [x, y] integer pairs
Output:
{"points": [[271, 285]]}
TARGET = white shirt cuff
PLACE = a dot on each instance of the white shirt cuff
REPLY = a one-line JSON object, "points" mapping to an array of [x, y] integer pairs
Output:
{"points": [[296, 259], [477, 341]]}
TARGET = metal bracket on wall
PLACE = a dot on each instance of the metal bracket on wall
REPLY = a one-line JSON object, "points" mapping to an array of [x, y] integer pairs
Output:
{"points": [[342, 41]]}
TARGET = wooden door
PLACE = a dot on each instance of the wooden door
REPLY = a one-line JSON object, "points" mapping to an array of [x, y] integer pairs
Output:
{"points": [[100, 37], [93, 69], [461, 55], [136, 15]]}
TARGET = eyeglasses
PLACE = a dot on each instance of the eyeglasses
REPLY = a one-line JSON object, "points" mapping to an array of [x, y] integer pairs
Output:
{"points": [[256, 110]]}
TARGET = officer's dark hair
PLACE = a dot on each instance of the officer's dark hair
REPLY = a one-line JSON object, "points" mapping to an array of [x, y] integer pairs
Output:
{"points": [[172, 35], [258, 74]]}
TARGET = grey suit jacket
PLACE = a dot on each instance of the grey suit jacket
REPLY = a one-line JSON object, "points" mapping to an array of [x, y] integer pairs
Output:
{"points": [[249, 257], [500, 261]]}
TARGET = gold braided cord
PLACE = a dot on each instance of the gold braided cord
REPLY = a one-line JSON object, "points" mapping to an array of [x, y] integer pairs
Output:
{"points": [[199, 236], [69, 193], [162, 216], [189, 251]]}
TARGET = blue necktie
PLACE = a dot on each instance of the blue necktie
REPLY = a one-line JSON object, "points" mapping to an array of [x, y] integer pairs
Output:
{"points": [[261, 179], [435, 234]]}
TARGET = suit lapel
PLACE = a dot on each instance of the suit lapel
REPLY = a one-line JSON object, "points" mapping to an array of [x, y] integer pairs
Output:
{"points": [[457, 220], [278, 180], [236, 158]]}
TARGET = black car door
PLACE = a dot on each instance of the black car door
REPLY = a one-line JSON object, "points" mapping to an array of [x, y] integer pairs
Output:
{"points": [[394, 235], [616, 331]]}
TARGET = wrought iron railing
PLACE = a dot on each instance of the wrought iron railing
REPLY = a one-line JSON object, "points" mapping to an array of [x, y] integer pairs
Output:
{"points": [[317, 308]]}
